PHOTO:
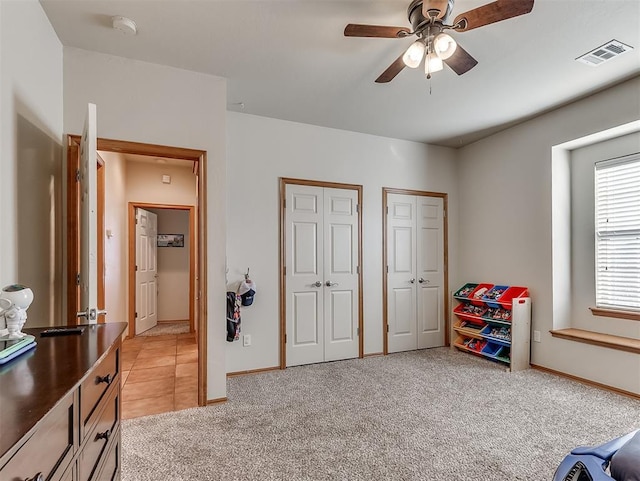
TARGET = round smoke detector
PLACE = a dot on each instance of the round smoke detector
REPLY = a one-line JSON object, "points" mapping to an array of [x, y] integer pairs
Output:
{"points": [[124, 25]]}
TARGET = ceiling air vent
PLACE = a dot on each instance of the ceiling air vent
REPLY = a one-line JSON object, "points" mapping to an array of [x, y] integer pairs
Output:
{"points": [[603, 53]]}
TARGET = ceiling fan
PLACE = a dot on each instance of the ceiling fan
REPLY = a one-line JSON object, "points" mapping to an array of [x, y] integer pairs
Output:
{"points": [[429, 21]]}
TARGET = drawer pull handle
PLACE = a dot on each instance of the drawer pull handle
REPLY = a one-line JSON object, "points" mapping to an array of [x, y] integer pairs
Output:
{"points": [[105, 379], [105, 435], [37, 477]]}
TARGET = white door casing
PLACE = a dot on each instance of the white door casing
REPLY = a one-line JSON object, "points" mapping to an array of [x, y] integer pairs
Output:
{"points": [[88, 218], [415, 278], [146, 270], [322, 280]]}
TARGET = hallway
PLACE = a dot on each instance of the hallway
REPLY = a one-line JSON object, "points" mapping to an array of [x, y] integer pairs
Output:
{"points": [[159, 374]]}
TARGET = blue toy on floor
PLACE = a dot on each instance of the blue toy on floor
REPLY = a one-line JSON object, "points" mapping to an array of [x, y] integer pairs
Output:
{"points": [[618, 460]]}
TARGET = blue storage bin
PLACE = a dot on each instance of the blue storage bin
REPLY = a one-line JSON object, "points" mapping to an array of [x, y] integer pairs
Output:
{"points": [[497, 334], [493, 295], [491, 349]]}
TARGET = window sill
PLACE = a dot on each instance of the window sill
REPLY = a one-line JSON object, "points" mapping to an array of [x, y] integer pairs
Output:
{"points": [[598, 339], [630, 315]]}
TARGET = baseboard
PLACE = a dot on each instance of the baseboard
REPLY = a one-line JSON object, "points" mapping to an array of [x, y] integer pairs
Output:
{"points": [[172, 322], [216, 401], [587, 381], [253, 371], [373, 354]]}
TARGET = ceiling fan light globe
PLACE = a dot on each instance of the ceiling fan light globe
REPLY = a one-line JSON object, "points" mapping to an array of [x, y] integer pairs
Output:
{"points": [[444, 45], [414, 54], [432, 63]]}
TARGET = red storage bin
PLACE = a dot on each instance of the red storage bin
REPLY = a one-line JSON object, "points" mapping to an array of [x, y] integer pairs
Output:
{"points": [[512, 293], [478, 292], [470, 312], [476, 345]]}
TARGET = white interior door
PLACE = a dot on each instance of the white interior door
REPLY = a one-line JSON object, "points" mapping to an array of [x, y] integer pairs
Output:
{"points": [[401, 276], [340, 274], [146, 270], [322, 280], [430, 271], [304, 276], [88, 219], [415, 279]]}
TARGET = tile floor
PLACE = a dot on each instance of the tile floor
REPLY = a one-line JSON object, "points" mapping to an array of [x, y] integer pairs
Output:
{"points": [[159, 374]]}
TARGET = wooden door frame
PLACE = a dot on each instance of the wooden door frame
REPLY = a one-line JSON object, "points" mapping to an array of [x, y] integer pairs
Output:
{"points": [[199, 159], [445, 221], [132, 258], [284, 181]]}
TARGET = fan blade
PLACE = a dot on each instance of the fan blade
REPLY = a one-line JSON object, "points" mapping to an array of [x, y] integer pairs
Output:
{"points": [[461, 62], [492, 13], [430, 5], [355, 30], [394, 69]]}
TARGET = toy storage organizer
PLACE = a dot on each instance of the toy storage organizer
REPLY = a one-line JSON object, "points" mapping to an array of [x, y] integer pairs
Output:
{"points": [[494, 321]]}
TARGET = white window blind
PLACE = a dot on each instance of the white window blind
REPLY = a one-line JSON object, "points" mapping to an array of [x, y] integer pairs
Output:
{"points": [[617, 226]]}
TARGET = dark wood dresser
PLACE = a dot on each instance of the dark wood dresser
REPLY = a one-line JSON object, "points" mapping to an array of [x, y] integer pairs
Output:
{"points": [[60, 408]]}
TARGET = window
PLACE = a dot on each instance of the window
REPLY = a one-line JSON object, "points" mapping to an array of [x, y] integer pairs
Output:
{"points": [[617, 227]]}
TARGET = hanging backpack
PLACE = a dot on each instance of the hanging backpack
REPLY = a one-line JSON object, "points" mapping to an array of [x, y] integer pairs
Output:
{"points": [[233, 317]]}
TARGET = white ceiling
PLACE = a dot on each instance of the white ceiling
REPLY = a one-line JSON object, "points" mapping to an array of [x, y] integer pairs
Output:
{"points": [[289, 59]]}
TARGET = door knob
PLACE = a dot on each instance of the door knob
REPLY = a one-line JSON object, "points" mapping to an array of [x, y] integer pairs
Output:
{"points": [[317, 284], [421, 280], [330, 284], [91, 314], [412, 280]]}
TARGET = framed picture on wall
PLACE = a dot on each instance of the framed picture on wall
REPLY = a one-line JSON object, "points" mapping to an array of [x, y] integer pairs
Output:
{"points": [[170, 240]]}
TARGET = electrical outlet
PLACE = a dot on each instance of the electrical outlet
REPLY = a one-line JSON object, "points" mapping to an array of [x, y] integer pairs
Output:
{"points": [[536, 336], [246, 340]]}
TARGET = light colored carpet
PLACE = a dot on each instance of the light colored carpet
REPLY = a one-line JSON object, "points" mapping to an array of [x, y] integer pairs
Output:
{"points": [[163, 328], [427, 415]]}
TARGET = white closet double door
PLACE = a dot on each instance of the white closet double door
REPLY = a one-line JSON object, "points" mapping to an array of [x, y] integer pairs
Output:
{"points": [[415, 278], [322, 288]]}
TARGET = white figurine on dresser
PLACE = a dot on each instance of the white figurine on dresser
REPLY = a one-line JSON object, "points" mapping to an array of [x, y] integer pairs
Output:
{"points": [[15, 299]]}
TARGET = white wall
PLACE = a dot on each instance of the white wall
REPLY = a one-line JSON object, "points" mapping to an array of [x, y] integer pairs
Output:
{"points": [[116, 246], [583, 234], [173, 267], [506, 222], [260, 151], [144, 102], [31, 158], [144, 183]]}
